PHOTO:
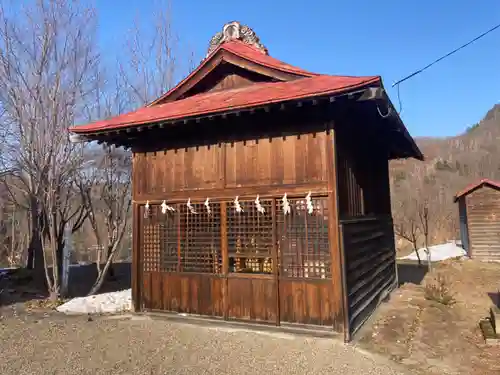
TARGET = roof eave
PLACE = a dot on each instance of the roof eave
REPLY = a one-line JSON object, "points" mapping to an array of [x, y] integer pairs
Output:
{"points": [[364, 92], [417, 153]]}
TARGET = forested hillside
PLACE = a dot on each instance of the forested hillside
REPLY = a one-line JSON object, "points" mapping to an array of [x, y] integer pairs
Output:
{"points": [[451, 164]]}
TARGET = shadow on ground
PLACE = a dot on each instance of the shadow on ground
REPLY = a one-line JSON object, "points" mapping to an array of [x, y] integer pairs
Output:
{"points": [[82, 278], [495, 298], [411, 272], [20, 287]]}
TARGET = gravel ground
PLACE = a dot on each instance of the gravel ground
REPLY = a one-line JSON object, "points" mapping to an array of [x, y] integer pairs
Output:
{"points": [[57, 344]]}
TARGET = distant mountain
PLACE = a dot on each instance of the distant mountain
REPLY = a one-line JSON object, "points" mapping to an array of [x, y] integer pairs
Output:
{"points": [[451, 163]]}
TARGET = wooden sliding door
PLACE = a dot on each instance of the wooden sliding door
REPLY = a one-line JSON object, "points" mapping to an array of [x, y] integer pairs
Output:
{"points": [[252, 262]]}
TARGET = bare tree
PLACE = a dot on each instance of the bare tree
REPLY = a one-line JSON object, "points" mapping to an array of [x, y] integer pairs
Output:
{"points": [[423, 215], [113, 190], [152, 64], [47, 70], [405, 213], [407, 228], [155, 57], [16, 243]]}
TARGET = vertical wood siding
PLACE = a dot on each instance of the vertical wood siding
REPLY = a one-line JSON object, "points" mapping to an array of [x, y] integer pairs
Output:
{"points": [[483, 223], [275, 161]]}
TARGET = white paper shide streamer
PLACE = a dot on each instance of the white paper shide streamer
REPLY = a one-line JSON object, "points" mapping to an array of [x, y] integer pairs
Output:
{"points": [[207, 205], [190, 206], [309, 205], [146, 210], [165, 208], [237, 205], [286, 205], [259, 206]]}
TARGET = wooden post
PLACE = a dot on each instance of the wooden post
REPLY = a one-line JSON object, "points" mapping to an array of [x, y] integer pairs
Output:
{"points": [[276, 262], [225, 257], [136, 259], [340, 308]]}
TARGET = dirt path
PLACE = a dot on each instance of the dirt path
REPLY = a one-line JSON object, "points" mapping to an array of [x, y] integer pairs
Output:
{"points": [[56, 344]]}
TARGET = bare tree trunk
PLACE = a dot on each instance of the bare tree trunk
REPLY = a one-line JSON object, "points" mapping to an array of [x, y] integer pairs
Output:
{"points": [[35, 250], [415, 248], [102, 273], [111, 270], [101, 277], [424, 221], [35, 233], [38, 263]]}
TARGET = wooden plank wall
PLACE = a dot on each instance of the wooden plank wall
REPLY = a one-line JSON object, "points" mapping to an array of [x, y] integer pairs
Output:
{"points": [[464, 231], [271, 162], [252, 298], [362, 177], [226, 77], [483, 222], [370, 265], [200, 294], [308, 302], [367, 235]]}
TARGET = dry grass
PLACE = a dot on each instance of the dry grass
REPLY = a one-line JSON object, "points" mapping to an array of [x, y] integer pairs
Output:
{"points": [[435, 337], [438, 289]]}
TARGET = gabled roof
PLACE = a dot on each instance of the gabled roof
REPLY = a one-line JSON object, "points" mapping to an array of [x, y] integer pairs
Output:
{"points": [[235, 99], [472, 187], [236, 52]]}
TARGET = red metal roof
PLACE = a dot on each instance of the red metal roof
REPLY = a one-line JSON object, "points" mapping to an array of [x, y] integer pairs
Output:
{"points": [[235, 99], [253, 54], [244, 51], [470, 188]]}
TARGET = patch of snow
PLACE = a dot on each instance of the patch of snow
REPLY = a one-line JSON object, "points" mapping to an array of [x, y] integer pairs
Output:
{"points": [[438, 253], [80, 264], [5, 271], [113, 302], [8, 268]]}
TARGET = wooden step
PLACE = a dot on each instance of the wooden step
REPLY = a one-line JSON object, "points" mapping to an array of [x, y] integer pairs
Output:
{"points": [[489, 335], [495, 318]]}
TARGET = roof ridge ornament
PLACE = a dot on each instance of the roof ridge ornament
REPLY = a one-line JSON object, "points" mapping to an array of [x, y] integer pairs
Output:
{"points": [[236, 31]]}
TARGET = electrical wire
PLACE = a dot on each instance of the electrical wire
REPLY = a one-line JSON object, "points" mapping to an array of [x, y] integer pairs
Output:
{"points": [[399, 101], [447, 55], [435, 62]]}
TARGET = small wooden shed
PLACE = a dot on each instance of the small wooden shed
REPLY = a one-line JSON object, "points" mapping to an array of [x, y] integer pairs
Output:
{"points": [[479, 215], [261, 191]]}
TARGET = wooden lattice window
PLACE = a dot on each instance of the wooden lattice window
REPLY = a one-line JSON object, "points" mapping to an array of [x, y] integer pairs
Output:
{"points": [[151, 240], [169, 229], [304, 249], [250, 237], [200, 238]]}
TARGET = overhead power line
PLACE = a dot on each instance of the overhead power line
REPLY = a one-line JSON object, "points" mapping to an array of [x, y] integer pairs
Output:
{"points": [[447, 55]]}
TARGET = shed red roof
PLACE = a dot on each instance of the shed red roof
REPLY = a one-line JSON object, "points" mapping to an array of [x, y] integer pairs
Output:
{"points": [[235, 99], [470, 188]]}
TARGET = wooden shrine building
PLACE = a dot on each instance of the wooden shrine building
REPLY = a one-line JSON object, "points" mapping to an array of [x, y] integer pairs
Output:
{"points": [[261, 191]]}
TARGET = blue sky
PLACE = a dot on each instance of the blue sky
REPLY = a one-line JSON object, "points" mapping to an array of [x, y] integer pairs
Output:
{"points": [[365, 37]]}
